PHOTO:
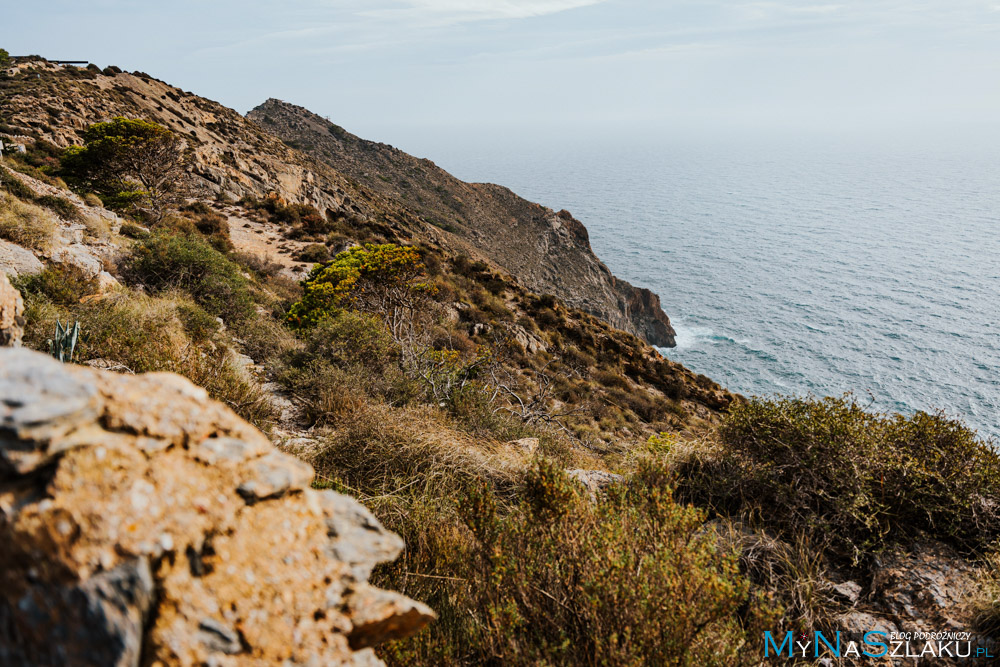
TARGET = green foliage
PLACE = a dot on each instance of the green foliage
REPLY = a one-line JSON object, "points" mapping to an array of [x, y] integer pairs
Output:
{"points": [[168, 260], [134, 231], [314, 253], [345, 358], [132, 164], [863, 482], [62, 345], [61, 284], [4, 58], [628, 579], [63, 207], [355, 277], [212, 225]]}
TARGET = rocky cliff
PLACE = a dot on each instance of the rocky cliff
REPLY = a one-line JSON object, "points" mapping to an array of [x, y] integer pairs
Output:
{"points": [[143, 523], [548, 251]]}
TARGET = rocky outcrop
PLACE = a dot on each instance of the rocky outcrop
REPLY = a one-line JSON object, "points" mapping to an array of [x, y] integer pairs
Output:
{"points": [[11, 314], [16, 261], [143, 523], [549, 252]]}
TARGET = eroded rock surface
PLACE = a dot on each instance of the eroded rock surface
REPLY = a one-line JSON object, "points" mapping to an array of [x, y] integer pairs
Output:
{"points": [[11, 314], [143, 523]]}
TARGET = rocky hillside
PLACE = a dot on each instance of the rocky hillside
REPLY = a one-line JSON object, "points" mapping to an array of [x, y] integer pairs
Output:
{"points": [[146, 524], [234, 158], [566, 494], [548, 251]]}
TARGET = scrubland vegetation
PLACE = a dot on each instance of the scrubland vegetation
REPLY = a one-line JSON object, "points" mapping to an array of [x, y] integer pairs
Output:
{"points": [[412, 371]]}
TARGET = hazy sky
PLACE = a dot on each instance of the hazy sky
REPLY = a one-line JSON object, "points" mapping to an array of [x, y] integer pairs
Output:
{"points": [[382, 68]]}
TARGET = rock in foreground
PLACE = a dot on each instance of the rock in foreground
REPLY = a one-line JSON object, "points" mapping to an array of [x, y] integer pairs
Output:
{"points": [[143, 523]]}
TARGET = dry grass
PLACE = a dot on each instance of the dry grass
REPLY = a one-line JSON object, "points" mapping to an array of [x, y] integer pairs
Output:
{"points": [[985, 602], [26, 224], [144, 334]]}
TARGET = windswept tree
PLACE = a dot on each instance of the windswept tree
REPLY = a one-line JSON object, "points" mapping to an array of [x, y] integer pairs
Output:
{"points": [[132, 164]]}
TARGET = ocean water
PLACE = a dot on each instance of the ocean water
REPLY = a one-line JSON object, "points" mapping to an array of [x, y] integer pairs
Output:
{"points": [[817, 266]]}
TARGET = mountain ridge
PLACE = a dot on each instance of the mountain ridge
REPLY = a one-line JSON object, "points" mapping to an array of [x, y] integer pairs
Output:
{"points": [[547, 250]]}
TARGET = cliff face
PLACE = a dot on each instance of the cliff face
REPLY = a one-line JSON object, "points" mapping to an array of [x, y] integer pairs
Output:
{"points": [[548, 252], [143, 523]]}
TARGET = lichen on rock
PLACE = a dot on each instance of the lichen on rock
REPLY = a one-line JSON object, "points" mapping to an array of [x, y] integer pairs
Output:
{"points": [[143, 523]]}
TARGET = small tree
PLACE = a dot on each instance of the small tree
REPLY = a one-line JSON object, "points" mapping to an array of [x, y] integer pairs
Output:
{"points": [[4, 58], [385, 280], [130, 163]]}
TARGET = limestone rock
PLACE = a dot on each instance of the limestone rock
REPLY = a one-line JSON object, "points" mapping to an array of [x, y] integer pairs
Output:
{"points": [[16, 261], [11, 314], [81, 257], [145, 524]]}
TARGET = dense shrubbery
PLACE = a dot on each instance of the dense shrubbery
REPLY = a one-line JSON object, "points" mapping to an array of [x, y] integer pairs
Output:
{"points": [[557, 579], [169, 260], [860, 481], [61, 284], [210, 224]]}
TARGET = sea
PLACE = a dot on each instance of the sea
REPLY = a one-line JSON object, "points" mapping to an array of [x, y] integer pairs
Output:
{"points": [[793, 265]]}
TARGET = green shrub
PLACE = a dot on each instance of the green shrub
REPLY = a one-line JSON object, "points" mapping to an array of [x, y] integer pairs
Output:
{"points": [[134, 231], [168, 260], [214, 226], [63, 207], [373, 278], [314, 253], [61, 284], [629, 579], [345, 358], [863, 482]]}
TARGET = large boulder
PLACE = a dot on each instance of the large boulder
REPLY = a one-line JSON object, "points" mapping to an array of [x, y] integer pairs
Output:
{"points": [[17, 261], [144, 523]]}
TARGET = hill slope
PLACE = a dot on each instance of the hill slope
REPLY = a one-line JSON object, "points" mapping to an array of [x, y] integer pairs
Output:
{"points": [[235, 158], [549, 252]]}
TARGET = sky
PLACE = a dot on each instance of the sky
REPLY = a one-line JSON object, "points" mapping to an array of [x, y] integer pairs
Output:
{"points": [[388, 69]]}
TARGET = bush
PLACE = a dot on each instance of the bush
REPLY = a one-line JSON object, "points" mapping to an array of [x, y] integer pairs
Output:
{"points": [[863, 482], [214, 226], [314, 253], [345, 358], [61, 284], [375, 278], [63, 207], [134, 231], [26, 224], [629, 579], [168, 260]]}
